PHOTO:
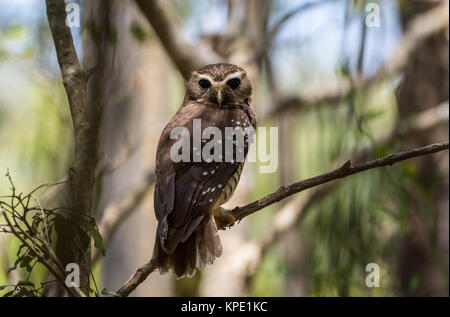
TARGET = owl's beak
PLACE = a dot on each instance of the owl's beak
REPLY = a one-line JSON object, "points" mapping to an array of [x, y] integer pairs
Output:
{"points": [[219, 98]]}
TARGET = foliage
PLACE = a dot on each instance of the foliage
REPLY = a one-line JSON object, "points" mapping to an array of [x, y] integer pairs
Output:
{"points": [[26, 219]]}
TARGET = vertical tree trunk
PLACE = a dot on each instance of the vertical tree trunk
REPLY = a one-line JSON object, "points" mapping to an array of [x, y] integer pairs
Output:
{"points": [[73, 241], [425, 85]]}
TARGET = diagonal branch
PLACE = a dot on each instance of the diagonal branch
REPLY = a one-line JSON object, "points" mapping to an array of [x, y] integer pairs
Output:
{"points": [[285, 191], [345, 170], [166, 23]]}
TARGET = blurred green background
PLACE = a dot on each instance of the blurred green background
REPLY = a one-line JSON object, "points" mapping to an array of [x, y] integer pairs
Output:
{"points": [[396, 217]]}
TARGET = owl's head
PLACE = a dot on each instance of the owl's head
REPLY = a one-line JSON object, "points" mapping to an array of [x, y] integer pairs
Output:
{"points": [[221, 84]]}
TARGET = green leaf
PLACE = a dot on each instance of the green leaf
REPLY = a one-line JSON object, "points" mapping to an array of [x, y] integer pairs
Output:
{"points": [[98, 240], [2, 287], [22, 292], [20, 249], [10, 293], [16, 263], [107, 292], [26, 261], [25, 283], [12, 268]]}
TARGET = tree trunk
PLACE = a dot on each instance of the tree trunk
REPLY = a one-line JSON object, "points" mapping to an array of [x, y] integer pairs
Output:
{"points": [[425, 85]]}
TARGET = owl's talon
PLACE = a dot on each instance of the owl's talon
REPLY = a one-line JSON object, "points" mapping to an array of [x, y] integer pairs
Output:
{"points": [[223, 219]]}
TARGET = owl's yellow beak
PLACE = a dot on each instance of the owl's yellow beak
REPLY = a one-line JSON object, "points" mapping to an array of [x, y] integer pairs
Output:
{"points": [[219, 98]]}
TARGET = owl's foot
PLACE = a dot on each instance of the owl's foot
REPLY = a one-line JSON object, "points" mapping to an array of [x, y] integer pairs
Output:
{"points": [[223, 219]]}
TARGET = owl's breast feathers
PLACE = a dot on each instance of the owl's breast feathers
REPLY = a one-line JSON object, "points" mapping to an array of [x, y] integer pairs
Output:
{"points": [[186, 192]]}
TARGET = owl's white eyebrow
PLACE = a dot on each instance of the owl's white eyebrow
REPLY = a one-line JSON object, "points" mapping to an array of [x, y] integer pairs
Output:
{"points": [[231, 76], [206, 77]]}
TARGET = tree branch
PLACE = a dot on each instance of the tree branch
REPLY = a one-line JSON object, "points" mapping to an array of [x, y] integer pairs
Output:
{"points": [[165, 22], [345, 170], [285, 191]]}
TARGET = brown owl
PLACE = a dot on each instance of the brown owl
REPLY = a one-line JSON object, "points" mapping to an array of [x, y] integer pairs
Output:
{"points": [[189, 193]]}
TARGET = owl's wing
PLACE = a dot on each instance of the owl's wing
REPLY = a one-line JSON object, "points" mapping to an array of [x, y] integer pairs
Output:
{"points": [[192, 196]]}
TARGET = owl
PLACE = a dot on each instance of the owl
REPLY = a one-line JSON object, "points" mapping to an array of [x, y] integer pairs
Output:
{"points": [[188, 193]]}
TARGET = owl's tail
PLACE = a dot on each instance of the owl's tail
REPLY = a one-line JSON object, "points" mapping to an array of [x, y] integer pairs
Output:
{"points": [[201, 248]]}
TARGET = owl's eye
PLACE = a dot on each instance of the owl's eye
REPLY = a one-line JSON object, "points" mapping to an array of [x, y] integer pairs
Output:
{"points": [[204, 84], [234, 83]]}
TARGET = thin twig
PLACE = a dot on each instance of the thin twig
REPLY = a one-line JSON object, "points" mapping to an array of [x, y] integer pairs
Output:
{"points": [[71, 290]]}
